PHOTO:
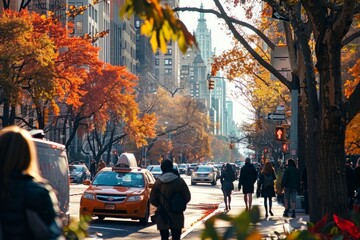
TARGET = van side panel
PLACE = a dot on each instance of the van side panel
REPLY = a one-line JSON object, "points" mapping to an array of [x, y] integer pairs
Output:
{"points": [[54, 167]]}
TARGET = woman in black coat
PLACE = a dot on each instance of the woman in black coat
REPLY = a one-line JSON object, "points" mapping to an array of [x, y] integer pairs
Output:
{"points": [[23, 190], [266, 186], [227, 178]]}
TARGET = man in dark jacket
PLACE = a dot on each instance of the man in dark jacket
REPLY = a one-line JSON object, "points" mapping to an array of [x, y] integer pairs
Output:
{"points": [[290, 182], [164, 188], [248, 176]]}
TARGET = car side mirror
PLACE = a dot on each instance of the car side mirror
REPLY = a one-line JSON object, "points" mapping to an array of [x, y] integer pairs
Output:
{"points": [[86, 182]]}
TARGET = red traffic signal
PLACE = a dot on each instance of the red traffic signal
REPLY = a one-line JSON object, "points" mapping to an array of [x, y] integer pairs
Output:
{"points": [[285, 147], [280, 133], [211, 84]]}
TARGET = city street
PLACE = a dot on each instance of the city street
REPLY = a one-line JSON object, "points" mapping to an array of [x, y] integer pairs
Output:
{"points": [[205, 199]]}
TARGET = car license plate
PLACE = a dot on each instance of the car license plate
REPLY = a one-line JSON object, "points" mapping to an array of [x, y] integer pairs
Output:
{"points": [[109, 206]]}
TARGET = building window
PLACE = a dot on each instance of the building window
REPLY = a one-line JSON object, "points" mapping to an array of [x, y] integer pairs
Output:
{"points": [[79, 27], [137, 23], [168, 71], [169, 51], [157, 62], [157, 72], [168, 61]]}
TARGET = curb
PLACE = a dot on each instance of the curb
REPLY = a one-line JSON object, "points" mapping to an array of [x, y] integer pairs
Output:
{"points": [[198, 223]]}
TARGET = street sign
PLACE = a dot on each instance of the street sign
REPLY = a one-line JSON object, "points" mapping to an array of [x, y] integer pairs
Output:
{"points": [[276, 116]]}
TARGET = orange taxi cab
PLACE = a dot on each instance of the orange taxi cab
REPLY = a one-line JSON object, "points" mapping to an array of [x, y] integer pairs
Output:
{"points": [[122, 191]]}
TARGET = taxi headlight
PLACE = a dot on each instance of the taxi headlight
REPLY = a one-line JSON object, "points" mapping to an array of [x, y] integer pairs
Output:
{"points": [[135, 198], [90, 196], [193, 174], [211, 174]]}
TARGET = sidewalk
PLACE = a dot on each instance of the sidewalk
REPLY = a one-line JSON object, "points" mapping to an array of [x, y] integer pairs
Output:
{"points": [[267, 227]]}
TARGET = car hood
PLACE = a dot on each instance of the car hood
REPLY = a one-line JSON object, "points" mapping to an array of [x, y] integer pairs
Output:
{"points": [[114, 190]]}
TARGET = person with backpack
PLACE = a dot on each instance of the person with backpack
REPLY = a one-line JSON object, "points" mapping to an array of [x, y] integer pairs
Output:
{"points": [[247, 179], [227, 178], [170, 194], [266, 186]]}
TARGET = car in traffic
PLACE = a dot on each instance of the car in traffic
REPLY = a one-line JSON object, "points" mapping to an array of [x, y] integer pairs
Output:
{"points": [[155, 170], [184, 169], [204, 174], [121, 192], [192, 167], [78, 173]]}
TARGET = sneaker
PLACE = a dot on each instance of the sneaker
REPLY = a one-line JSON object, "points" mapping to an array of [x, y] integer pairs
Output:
{"points": [[293, 214], [285, 213]]}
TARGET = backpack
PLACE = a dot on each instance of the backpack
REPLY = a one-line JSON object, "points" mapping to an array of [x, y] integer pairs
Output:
{"points": [[177, 203], [268, 180]]}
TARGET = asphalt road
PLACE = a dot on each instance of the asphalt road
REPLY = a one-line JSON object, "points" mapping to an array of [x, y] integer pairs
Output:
{"points": [[205, 198]]}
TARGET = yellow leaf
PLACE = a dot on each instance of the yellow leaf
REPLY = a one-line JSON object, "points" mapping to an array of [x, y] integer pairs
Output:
{"points": [[162, 42], [153, 42]]}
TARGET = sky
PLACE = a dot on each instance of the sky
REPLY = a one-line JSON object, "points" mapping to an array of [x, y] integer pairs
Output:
{"points": [[220, 41]]}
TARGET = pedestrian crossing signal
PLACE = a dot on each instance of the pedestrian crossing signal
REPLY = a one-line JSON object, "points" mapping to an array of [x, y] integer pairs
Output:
{"points": [[280, 133], [285, 147]]}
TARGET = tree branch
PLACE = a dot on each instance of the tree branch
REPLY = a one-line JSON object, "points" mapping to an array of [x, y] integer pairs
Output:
{"points": [[233, 20]]}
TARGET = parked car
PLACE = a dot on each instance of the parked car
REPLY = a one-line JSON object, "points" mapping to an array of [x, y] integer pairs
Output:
{"points": [[78, 173], [204, 174], [121, 192], [184, 169]]}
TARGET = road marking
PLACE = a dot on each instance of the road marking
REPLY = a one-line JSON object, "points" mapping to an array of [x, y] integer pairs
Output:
{"points": [[106, 228]]}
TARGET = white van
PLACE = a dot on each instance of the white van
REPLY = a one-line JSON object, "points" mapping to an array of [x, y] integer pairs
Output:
{"points": [[53, 163]]}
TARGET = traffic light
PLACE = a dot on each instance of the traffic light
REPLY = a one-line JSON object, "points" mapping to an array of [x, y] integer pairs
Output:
{"points": [[285, 147], [211, 84], [266, 150], [280, 133]]}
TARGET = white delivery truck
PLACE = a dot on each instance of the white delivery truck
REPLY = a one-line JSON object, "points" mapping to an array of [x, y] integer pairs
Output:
{"points": [[53, 163]]}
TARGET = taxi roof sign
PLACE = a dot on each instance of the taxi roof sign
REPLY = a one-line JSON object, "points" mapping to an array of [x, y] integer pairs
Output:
{"points": [[126, 160]]}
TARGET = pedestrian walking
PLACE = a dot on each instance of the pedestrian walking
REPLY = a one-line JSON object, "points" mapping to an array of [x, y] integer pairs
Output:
{"points": [[227, 179], [92, 168], [23, 193], [290, 183], [101, 165], [166, 186], [266, 187], [247, 179]]}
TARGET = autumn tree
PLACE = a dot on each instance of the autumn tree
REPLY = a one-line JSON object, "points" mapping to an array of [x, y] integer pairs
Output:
{"points": [[27, 67], [182, 129]]}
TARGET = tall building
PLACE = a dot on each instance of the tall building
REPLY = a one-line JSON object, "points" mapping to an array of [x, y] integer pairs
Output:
{"points": [[167, 65], [218, 103], [145, 67], [203, 37]]}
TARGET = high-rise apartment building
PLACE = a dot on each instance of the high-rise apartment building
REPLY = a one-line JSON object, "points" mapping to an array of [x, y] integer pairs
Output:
{"points": [[167, 65]]}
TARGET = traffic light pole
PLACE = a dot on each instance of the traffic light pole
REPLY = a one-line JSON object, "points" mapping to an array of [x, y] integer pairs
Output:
{"points": [[294, 118]]}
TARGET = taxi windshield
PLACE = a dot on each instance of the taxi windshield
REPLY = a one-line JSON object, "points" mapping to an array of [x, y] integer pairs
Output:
{"points": [[119, 179]]}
